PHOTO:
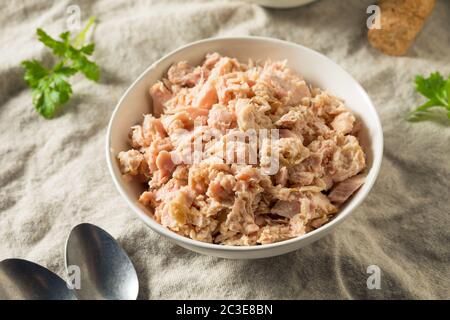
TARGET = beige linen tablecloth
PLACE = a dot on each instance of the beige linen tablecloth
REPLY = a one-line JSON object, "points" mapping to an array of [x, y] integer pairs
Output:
{"points": [[53, 174]]}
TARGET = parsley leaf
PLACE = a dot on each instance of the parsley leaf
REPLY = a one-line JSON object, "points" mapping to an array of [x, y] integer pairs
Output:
{"points": [[58, 47], [34, 72], [50, 87], [83, 64], [52, 92], [437, 90]]}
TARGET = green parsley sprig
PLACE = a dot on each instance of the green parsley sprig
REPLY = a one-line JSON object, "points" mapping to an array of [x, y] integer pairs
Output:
{"points": [[437, 90], [50, 88]]}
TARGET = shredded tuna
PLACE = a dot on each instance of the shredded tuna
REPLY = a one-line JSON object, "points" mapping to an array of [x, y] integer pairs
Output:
{"points": [[184, 75], [131, 162], [206, 163], [343, 123], [343, 190], [160, 95]]}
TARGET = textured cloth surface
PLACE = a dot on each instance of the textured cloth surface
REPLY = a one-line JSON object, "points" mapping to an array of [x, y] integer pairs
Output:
{"points": [[53, 174]]}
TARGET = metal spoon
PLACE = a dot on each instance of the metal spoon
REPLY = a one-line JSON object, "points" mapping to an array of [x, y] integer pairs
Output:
{"points": [[25, 280], [105, 270]]}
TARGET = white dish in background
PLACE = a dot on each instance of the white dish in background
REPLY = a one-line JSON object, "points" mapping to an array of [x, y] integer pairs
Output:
{"points": [[281, 3], [313, 66]]}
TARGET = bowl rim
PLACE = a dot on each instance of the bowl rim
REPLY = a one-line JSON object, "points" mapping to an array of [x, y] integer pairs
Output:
{"points": [[340, 217]]}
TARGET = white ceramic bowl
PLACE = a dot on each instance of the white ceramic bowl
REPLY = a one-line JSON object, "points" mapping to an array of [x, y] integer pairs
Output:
{"points": [[316, 68], [281, 3]]}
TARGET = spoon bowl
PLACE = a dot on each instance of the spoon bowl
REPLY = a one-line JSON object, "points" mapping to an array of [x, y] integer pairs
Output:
{"points": [[24, 280], [105, 270]]}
